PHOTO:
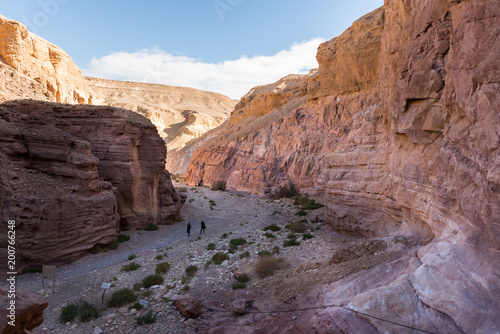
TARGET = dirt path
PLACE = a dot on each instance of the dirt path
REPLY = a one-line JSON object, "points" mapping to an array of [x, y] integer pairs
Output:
{"points": [[236, 214]]}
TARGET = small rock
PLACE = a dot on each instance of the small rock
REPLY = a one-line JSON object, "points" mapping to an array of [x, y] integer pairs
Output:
{"points": [[123, 310], [132, 311], [97, 330], [68, 323], [73, 327], [112, 315]]}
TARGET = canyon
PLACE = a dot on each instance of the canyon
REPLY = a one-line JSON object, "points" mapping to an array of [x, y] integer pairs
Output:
{"points": [[398, 131]]}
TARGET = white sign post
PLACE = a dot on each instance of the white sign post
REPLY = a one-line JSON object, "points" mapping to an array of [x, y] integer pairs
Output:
{"points": [[104, 286]]}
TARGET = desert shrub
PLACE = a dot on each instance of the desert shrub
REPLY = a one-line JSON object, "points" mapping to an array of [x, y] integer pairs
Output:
{"points": [[123, 238], [130, 266], [88, 312], [32, 270], [191, 270], [218, 258], [297, 227], [306, 236], [159, 257], [276, 250], [306, 203], [264, 253], [224, 236], [151, 227], [137, 306], [273, 227], [121, 297], [269, 235], [267, 265], [284, 192], [147, 318], [291, 236], [162, 268], [131, 257], [68, 313], [301, 213], [147, 293], [291, 242], [137, 286], [211, 246], [219, 185], [239, 285], [234, 243], [212, 202], [151, 280], [182, 189], [243, 278], [244, 254]]}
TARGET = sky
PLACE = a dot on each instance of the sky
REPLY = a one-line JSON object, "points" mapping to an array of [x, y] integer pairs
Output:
{"points": [[226, 46]]}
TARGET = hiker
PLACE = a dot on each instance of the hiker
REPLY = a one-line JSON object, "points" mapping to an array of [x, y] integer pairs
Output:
{"points": [[203, 227], [189, 229]]}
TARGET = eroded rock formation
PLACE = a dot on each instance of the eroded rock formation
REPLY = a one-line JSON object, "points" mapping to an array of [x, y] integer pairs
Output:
{"points": [[43, 66], [180, 114], [28, 311], [73, 174], [399, 131]]}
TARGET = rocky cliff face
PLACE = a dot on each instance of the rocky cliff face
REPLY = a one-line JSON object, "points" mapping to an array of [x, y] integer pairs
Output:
{"points": [[180, 114], [43, 66], [72, 175], [398, 130]]}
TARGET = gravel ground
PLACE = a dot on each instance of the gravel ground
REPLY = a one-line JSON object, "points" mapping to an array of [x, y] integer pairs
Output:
{"points": [[238, 215]]}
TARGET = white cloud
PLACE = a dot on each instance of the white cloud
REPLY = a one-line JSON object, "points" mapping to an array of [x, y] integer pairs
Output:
{"points": [[230, 77]]}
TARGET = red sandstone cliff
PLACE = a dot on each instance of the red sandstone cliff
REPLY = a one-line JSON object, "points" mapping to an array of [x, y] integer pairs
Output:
{"points": [[73, 174], [399, 131]]}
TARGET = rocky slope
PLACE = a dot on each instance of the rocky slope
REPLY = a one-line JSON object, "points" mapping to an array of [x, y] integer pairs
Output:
{"points": [[398, 130], [72, 175], [43, 68], [180, 114]]}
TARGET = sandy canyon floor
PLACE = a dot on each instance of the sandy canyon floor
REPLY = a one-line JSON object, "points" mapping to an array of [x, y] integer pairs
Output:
{"points": [[238, 215]]}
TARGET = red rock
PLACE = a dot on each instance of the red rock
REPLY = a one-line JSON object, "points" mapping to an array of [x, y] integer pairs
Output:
{"points": [[28, 312], [188, 306]]}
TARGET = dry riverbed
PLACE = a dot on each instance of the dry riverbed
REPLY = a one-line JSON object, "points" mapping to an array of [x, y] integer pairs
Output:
{"points": [[230, 215]]}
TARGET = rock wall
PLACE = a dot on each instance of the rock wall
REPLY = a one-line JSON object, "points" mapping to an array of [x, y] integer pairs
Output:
{"points": [[72, 175], [400, 136], [41, 64], [28, 312]]}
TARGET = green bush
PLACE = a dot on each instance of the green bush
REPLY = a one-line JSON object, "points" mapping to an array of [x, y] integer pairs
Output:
{"points": [[234, 243], [306, 203], [219, 185], [131, 257], [159, 257], [121, 297], [291, 242], [147, 318], [114, 245], [291, 236], [211, 246], [123, 238], [276, 250], [130, 266], [32, 270], [273, 227], [243, 278], [137, 306], [68, 313], [306, 236], [191, 270], [244, 254], [224, 236], [186, 288], [269, 235], [162, 268], [239, 285], [301, 213], [264, 253], [88, 312], [218, 258], [151, 280], [151, 227]]}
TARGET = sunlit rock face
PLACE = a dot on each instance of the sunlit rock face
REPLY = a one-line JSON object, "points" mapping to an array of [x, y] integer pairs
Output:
{"points": [[398, 131]]}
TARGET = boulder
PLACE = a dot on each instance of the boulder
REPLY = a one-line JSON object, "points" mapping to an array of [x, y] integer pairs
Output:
{"points": [[188, 306]]}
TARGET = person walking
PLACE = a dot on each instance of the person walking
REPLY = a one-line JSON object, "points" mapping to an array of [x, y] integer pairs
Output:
{"points": [[188, 229], [203, 227]]}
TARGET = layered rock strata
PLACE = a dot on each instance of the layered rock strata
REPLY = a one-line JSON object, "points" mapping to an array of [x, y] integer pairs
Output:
{"points": [[180, 114], [28, 311], [398, 130], [44, 64], [72, 175]]}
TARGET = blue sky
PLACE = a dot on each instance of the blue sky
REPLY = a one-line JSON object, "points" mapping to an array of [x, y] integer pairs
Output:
{"points": [[207, 40]]}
